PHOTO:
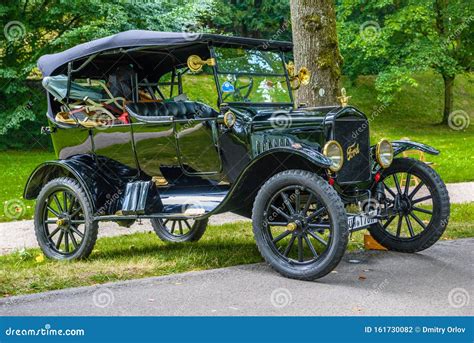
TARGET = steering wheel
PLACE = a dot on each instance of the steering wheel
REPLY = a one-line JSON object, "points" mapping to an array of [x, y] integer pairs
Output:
{"points": [[242, 90]]}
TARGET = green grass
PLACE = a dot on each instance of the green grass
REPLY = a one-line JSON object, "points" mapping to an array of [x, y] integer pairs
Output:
{"points": [[16, 167], [143, 254]]}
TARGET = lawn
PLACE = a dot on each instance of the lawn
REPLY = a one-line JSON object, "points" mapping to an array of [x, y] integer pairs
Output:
{"points": [[143, 254], [414, 114]]}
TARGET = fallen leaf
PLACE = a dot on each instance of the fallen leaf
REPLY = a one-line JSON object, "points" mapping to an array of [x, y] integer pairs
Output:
{"points": [[362, 277]]}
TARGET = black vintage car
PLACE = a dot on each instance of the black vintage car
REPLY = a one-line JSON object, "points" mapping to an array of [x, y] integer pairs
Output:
{"points": [[176, 127]]}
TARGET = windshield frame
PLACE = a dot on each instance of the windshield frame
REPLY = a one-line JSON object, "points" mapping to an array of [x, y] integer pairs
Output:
{"points": [[216, 72]]}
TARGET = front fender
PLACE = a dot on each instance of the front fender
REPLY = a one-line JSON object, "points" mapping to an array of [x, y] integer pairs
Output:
{"points": [[102, 179], [241, 196], [401, 146]]}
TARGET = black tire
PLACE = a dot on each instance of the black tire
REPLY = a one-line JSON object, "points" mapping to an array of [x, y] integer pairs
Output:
{"points": [[179, 230], [324, 212], [71, 224], [405, 231]]}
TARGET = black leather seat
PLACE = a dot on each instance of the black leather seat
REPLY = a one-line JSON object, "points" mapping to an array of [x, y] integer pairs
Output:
{"points": [[177, 109]]}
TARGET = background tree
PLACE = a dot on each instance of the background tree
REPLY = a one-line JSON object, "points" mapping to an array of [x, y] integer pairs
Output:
{"points": [[398, 38], [317, 48]]}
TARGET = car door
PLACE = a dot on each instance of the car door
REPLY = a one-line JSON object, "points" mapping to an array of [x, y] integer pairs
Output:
{"points": [[155, 145], [198, 145]]}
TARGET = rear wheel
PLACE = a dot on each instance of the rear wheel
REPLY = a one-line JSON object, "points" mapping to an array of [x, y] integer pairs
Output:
{"points": [[300, 225], [179, 230], [417, 204], [64, 225]]}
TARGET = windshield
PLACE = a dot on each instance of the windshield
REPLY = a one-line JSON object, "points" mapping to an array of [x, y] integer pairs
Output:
{"points": [[251, 76]]}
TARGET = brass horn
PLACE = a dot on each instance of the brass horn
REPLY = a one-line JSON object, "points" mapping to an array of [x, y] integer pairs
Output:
{"points": [[195, 63], [302, 78]]}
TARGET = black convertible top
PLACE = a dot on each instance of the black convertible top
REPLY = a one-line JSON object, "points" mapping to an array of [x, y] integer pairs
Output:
{"points": [[183, 43]]}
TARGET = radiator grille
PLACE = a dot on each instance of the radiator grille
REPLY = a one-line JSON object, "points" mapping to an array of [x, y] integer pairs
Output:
{"points": [[353, 134]]}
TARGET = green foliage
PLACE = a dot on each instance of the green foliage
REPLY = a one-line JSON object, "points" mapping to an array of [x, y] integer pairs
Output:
{"points": [[33, 28], [395, 39], [268, 19]]}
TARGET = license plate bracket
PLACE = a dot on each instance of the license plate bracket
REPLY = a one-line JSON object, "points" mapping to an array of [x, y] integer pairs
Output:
{"points": [[361, 221]]}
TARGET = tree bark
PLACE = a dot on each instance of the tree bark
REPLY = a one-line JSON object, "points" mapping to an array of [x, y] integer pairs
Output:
{"points": [[448, 97], [316, 47]]}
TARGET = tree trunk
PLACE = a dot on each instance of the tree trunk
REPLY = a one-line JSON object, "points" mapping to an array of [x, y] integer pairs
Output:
{"points": [[448, 97], [316, 47]]}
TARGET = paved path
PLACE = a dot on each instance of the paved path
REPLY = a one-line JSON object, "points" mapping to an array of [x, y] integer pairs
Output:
{"points": [[437, 282], [20, 234]]}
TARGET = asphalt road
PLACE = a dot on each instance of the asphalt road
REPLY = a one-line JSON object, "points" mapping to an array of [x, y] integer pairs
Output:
{"points": [[438, 281]]}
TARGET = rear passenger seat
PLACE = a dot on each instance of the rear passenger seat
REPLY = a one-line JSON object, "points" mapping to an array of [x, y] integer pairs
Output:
{"points": [[177, 109]]}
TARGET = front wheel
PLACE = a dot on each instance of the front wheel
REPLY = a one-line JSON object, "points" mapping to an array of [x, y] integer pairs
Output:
{"points": [[417, 203], [300, 225]]}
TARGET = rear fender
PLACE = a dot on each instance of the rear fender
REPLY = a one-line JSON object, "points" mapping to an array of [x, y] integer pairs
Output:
{"points": [[102, 179]]}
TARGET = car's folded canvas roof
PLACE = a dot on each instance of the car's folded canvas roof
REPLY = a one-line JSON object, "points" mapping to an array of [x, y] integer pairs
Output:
{"points": [[50, 64]]}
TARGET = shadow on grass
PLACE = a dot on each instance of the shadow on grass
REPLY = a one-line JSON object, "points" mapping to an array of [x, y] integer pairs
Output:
{"points": [[172, 250]]}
